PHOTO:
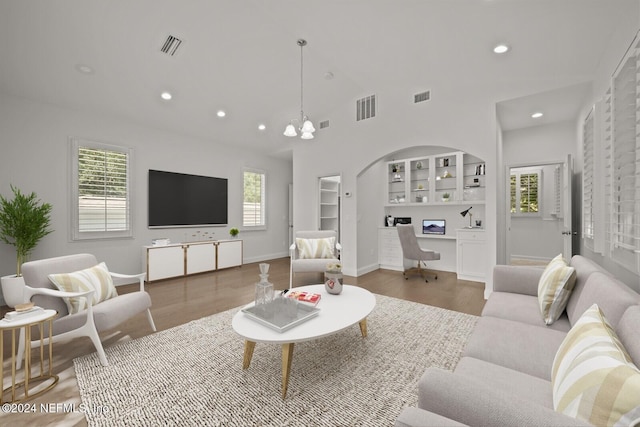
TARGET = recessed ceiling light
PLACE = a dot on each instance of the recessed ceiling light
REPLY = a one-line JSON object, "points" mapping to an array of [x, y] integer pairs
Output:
{"points": [[221, 113], [84, 69], [537, 115], [501, 48], [261, 126], [166, 96]]}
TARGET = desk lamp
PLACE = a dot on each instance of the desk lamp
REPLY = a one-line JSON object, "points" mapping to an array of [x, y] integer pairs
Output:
{"points": [[465, 212]]}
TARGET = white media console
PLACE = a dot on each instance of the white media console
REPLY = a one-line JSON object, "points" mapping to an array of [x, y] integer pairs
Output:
{"points": [[181, 259]]}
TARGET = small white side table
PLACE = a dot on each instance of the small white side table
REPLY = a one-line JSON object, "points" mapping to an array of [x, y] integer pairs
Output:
{"points": [[44, 321]]}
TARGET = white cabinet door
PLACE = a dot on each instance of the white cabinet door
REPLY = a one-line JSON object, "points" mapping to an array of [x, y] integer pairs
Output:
{"points": [[389, 249], [229, 253], [164, 262], [201, 257], [471, 255]]}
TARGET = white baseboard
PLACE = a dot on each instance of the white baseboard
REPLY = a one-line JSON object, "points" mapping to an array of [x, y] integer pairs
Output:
{"points": [[368, 269], [529, 258], [267, 257]]}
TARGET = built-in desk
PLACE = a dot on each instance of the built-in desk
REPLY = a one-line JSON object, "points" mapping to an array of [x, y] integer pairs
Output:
{"points": [[463, 253]]}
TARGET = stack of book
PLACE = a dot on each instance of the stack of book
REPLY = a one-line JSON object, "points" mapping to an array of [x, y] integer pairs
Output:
{"points": [[22, 312], [305, 297]]}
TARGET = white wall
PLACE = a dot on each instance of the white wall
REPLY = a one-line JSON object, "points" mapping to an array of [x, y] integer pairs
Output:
{"points": [[539, 144], [35, 157], [463, 121]]}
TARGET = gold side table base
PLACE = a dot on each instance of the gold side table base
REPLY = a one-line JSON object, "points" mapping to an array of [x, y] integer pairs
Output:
{"points": [[20, 391], [14, 389]]}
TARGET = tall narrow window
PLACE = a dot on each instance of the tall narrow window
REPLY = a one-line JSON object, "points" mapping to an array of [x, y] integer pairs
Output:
{"points": [[100, 191], [254, 204], [525, 192], [588, 184]]}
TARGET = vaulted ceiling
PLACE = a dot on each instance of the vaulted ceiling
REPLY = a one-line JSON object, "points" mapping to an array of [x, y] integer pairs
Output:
{"points": [[242, 56]]}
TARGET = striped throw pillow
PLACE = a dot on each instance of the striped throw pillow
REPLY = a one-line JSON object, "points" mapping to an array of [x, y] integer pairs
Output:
{"points": [[554, 288], [316, 248], [593, 377], [96, 279]]}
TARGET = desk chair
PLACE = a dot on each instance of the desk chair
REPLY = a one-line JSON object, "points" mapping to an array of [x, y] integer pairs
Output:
{"points": [[412, 251]]}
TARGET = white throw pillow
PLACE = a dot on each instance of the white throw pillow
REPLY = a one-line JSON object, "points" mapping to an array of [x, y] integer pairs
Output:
{"points": [[593, 377], [96, 279], [554, 288], [316, 248]]}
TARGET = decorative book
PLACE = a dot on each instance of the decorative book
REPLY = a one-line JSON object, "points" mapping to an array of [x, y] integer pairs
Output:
{"points": [[305, 297], [19, 315]]}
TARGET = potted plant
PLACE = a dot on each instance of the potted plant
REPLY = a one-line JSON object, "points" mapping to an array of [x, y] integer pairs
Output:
{"points": [[445, 197], [233, 232], [24, 221]]}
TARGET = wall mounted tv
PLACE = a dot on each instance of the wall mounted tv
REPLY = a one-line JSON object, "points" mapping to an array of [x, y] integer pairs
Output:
{"points": [[183, 200]]}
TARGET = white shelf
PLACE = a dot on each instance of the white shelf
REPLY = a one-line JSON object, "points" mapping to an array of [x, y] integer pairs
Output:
{"points": [[459, 165]]}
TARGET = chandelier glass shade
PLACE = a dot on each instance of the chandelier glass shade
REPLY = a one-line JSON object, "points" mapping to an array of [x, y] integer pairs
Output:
{"points": [[305, 127]]}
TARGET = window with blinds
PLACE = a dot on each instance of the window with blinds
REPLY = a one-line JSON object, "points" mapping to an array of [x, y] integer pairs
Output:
{"points": [[254, 201], [525, 192], [607, 142], [625, 173], [588, 181], [101, 195]]}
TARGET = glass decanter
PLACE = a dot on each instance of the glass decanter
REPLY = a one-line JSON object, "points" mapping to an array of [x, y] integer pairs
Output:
{"points": [[264, 289]]}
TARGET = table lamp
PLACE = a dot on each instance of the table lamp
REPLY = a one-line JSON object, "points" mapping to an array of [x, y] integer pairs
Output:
{"points": [[465, 212]]}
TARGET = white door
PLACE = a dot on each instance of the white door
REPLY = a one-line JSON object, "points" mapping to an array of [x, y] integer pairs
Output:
{"points": [[538, 236], [567, 229]]}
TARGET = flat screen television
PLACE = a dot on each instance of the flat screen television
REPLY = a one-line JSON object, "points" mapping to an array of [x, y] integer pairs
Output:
{"points": [[183, 200], [434, 226]]}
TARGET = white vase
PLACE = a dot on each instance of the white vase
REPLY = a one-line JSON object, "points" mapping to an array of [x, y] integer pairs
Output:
{"points": [[12, 290], [333, 282]]}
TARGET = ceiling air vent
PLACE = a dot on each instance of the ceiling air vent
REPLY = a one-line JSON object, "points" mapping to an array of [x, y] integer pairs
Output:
{"points": [[324, 124], [421, 97], [366, 108], [171, 45]]}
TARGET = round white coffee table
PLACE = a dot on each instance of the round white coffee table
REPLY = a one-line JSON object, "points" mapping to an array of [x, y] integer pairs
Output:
{"points": [[337, 312]]}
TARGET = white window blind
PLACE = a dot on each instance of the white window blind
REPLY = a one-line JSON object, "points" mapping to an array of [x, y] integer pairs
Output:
{"points": [[101, 191], [588, 181], [607, 140], [625, 173], [254, 206]]}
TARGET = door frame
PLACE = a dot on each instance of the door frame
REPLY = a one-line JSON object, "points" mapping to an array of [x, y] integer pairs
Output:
{"points": [[567, 202]]}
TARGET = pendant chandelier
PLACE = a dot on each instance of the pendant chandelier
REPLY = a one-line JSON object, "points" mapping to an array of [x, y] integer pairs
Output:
{"points": [[305, 126]]}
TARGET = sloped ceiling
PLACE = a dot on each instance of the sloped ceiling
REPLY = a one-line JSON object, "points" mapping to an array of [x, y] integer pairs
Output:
{"points": [[242, 56]]}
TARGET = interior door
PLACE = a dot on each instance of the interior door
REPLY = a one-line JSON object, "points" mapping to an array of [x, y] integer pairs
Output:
{"points": [[567, 229], [537, 238]]}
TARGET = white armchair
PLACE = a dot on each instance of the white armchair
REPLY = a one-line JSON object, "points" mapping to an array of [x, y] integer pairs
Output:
{"points": [[312, 251], [88, 322]]}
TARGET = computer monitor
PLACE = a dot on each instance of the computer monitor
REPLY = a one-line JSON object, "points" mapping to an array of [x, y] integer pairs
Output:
{"points": [[434, 226]]}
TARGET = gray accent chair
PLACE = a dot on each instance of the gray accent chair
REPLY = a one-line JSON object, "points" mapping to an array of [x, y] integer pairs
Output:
{"points": [[101, 317], [316, 265], [411, 250]]}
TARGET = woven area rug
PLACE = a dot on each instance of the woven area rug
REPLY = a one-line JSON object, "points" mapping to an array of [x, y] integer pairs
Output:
{"points": [[192, 374]]}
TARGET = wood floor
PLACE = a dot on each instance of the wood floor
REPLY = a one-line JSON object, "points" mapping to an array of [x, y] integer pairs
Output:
{"points": [[178, 301]]}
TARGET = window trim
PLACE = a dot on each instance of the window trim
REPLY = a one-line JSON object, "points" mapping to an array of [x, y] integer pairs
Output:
{"points": [[75, 234], [262, 226]]}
